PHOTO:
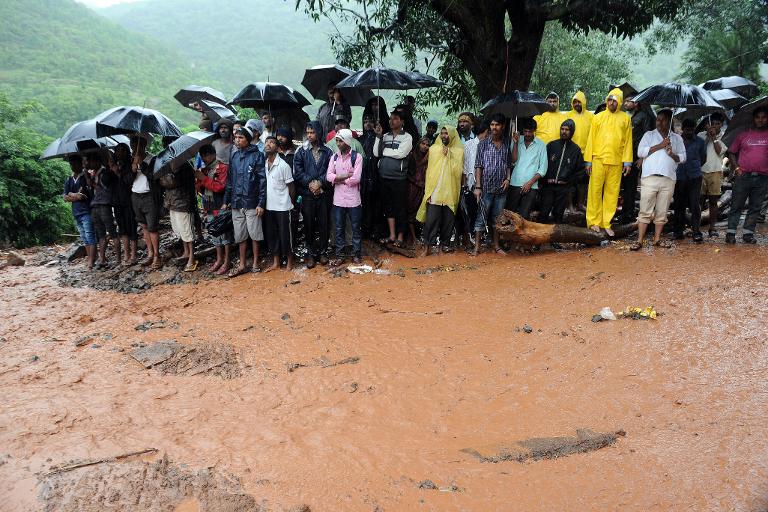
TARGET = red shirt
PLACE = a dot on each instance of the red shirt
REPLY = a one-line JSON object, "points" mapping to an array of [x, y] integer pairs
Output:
{"points": [[751, 146]]}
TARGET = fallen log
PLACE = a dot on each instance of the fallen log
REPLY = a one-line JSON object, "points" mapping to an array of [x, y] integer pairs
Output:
{"points": [[511, 226], [69, 467]]}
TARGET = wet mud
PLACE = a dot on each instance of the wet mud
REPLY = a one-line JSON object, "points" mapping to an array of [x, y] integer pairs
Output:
{"points": [[301, 391]]}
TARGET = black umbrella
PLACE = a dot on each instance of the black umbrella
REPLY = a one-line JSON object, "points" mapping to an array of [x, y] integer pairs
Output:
{"points": [[269, 95], [693, 98], [216, 111], [742, 119], [516, 104], [192, 94], [424, 80], [182, 149], [59, 149], [317, 79], [84, 146], [738, 84], [729, 98], [128, 120], [378, 78]]}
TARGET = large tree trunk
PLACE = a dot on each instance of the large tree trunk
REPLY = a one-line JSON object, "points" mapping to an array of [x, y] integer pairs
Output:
{"points": [[511, 226]]}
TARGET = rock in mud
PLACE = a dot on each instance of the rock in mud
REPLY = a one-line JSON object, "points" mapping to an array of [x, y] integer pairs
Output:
{"points": [[75, 251], [538, 448], [527, 329], [137, 485], [427, 484], [12, 260], [173, 358]]}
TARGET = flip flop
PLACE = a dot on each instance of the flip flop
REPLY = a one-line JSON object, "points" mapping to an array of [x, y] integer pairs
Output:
{"points": [[255, 270], [666, 244], [235, 271], [636, 246], [191, 268], [156, 265]]}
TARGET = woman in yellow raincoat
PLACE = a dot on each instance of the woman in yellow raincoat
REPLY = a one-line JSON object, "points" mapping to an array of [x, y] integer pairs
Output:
{"points": [[442, 188]]}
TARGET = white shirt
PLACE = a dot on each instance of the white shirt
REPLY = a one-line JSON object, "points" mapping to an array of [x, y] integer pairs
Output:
{"points": [[714, 161], [279, 175], [140, 184], [660, 162], [470, 153]]}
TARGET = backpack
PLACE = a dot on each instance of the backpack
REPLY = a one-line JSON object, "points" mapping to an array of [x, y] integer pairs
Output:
{"points": [[354, 157]]}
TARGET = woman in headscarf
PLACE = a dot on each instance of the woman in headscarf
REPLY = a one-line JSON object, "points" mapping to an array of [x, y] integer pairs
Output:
{"points": [[416, 177], [441, 192], [377, 109]]}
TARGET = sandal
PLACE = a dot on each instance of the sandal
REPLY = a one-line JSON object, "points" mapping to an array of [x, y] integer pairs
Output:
{"points": [[156, 265], [666, 244], [192, 267], [636, 246], [236, 271], [385, 241], [255, 270]]}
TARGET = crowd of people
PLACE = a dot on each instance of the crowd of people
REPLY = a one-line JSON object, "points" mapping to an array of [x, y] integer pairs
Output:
{"points": [[391, 183]]}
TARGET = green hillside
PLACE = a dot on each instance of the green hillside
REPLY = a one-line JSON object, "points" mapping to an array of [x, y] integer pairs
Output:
{"points": [[77, 64]]}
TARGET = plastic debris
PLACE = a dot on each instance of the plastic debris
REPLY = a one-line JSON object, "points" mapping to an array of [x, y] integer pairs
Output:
{"points": [[359, 269], [607, 314], [636, 313]]}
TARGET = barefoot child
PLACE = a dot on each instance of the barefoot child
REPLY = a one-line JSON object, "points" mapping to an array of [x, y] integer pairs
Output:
{"points": [[280, 197]]}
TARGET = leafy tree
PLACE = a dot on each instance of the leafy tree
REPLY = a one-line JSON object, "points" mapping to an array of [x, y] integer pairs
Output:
{"points": [[568, 62], [481, 47], [32, 210]]}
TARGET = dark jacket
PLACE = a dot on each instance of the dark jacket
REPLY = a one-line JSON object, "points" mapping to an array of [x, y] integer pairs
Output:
{"points": [[103, 188], [80, 186], [305, 169], [565, 162], [122, 186], [695, 156], [370, 164], [246, 179], [181, 197]]}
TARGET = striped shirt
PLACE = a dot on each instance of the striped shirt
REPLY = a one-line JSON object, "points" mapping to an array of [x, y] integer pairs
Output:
{"points": [[495, 162]]}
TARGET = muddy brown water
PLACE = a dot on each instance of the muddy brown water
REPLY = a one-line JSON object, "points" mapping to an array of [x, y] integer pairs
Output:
{"points": [[443, 368]]}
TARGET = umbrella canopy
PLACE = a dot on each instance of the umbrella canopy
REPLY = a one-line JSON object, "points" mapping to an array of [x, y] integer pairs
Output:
{"points": [[192, 94], [742, 119], [269, 95], [317, 79], [627, 89], [84, 146], [693, 98], [59, 149], [424, 80], [216, 111], [738, 84], [378, 78], [516, 104], [182, 149], [729, 98], [127, 120]]}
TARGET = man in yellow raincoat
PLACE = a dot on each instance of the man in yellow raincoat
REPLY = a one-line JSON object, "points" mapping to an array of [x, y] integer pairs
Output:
{"points": [[548, 123], [582, 118], [608, 154], [442, 188]]}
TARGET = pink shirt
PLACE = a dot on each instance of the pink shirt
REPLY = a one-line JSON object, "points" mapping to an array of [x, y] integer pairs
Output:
{"points": [[346, 194], [752, 149]]}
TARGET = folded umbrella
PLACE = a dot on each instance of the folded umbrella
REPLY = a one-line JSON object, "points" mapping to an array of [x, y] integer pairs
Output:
{"points": [[738, 84], [192, 94], [317, 79], [516, 104], [181, 150], [694, 99], [269, 95], [378, 78], [128, 120], [216, 111], [742, 119]]}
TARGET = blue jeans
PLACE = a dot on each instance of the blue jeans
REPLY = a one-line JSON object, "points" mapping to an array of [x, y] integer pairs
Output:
{"points": [[340, 219], [492, 204], [750, 186], [85, 228]]}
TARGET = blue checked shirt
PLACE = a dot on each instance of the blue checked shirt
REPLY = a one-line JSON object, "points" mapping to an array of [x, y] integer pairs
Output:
{"points": [[494, 162]]}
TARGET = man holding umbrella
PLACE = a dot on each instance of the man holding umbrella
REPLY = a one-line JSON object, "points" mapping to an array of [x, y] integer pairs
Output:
{"points": [[607, 157], [749, 152]]}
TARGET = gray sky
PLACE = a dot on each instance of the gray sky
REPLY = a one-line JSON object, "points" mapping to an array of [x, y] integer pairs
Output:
{"points": [[104, 3]]}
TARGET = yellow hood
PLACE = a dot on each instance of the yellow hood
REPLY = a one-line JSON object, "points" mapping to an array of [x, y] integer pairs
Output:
{"points": [[619, 96], [582, 98], [444, 171]]}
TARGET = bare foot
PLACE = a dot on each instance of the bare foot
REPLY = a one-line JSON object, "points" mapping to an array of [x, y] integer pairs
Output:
{"points": [[289, 264], [215, 266], [223, 270], [274, 266], [596, 229], [500, 251], [609, 232]]}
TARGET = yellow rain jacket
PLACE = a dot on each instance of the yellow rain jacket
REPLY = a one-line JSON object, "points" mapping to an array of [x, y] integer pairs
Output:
{"points": [[610, 138], [548, 125], [582, 121], [443, 179]]}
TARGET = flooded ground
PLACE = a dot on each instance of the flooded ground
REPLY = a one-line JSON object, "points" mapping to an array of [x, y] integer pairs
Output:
{"points": [[450, 384]]}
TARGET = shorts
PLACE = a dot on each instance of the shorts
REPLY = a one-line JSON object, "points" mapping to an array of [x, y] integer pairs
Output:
{"points": [[146, 210], [490, 208], [712, 183], [221, 240], [126, 221], [246, 224], [656, 194], [85, 228], [183, 225], [103, 221]]}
